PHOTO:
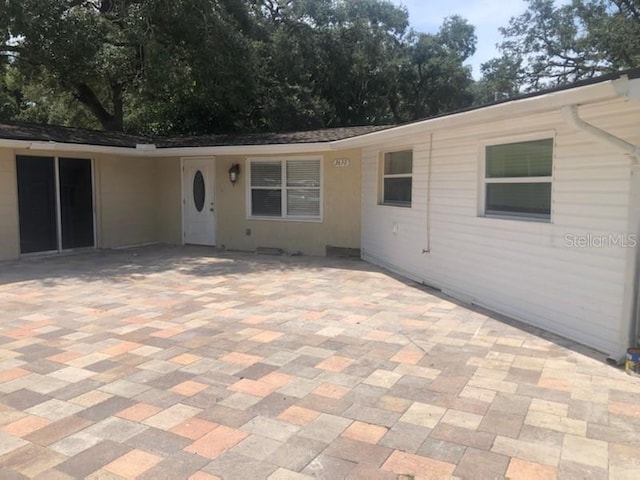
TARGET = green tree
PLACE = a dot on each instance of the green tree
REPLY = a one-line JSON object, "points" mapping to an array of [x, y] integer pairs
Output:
{"points": [[9, 99], [203, 66], [106, 53], [330, 63], [561, 44], [433, 78], [501, 78]]}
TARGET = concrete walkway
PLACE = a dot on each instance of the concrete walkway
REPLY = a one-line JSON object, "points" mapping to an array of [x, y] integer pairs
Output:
{"points": [[176, 363]]}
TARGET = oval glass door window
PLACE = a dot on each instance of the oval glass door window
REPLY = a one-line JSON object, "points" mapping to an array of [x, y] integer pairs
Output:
{"points": [[198, 191]]}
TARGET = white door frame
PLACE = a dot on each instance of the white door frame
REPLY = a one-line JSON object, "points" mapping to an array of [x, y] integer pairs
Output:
{"points": [[183, 199]]}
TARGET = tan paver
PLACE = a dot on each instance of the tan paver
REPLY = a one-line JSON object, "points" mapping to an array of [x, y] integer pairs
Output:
{"points": [[522, 470], [133, 463], [410, 465], [365, 432], [298, 415], [423, 414], [216, 442], [167, 362]]}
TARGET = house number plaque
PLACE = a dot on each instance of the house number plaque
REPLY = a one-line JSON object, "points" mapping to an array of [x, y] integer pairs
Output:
{"points": [[341, 162]]}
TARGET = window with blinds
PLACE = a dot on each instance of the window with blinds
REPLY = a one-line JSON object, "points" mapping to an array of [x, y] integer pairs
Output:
{"points": [[286, 189], [397, 178], [518, 178]]}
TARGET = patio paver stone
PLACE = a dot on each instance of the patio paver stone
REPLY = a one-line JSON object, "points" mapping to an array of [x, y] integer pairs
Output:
{"points": [[196, 363]]}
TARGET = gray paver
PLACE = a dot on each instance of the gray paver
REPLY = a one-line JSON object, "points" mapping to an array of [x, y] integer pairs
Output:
{"points": [[246, 366]]}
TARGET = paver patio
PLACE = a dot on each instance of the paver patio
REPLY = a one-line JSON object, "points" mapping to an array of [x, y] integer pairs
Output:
{"points": [[191, 363]]}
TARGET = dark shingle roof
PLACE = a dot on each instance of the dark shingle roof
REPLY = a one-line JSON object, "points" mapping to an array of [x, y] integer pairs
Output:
{"points": [[311, 136], [47, 133], [32, 132]]}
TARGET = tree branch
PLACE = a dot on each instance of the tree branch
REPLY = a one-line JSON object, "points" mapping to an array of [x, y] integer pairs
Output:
{"points": [[85, 95]]}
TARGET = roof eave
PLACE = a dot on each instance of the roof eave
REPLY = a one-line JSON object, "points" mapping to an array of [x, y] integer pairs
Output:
{"points": [[153, 151], [621, 86], [272, 149], [53, 147], [593, 93]]}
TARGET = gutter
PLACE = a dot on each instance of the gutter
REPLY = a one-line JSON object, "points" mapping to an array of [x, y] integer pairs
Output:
{"points": [[626, 89], [572, 116], [623, 88]]}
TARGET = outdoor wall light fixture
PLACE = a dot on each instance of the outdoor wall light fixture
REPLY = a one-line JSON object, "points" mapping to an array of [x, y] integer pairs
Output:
{"points": [[234, 172]]}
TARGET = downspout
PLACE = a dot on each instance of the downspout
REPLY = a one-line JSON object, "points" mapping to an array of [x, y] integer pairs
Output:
{"points": [[572, 116], [427, 249]]}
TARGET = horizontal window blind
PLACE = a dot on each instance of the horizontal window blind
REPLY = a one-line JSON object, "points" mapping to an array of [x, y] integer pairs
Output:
{"points": [[266, 174], [286, 189], [519, 199], [398, 163], [397, 172], [518, 179], [522, 159], [397, 190], [303, 173], [266, 203], [303, 203]]}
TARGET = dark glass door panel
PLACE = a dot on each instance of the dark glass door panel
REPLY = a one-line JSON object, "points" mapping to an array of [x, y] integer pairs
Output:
{"points": [[76, 202], [37, 204]]}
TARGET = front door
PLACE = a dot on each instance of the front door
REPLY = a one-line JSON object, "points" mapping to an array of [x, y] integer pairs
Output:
{"points": [[198, 202]]}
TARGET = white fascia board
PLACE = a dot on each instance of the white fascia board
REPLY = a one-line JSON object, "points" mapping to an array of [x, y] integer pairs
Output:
{"points": [[5, 143], [629, 89], [69, 147], [152, 151], [277, 149], [511, 109]]}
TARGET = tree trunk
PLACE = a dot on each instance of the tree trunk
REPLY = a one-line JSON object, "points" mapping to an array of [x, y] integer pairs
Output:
{"points": [[111, 122]]}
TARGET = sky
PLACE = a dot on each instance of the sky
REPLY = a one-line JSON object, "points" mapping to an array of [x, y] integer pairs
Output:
{"points": [[486, 15]]}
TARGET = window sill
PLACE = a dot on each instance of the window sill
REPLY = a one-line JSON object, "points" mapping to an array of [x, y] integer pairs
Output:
{"points": [[286, 219], [518, 218], [397, 205]]}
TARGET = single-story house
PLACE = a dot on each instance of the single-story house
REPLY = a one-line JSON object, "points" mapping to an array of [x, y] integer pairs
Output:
{"points": [[529, 207]]}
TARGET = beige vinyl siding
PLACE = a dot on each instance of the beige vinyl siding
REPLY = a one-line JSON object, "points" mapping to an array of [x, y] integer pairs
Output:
{"points": [[520, 268]]}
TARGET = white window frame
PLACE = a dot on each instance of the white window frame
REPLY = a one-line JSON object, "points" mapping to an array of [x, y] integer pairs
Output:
{"points": [[483, 180], [382, 176], [283, 188]]}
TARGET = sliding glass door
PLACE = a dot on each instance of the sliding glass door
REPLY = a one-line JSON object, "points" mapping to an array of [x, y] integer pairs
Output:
{"points": [[76, 202], [55, 202], [37, 204]]}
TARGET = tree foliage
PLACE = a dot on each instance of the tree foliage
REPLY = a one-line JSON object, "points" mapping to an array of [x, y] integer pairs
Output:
{"points": [[501, 78], [110, 55], [552, 45], [433, 78], [198, 66]]}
